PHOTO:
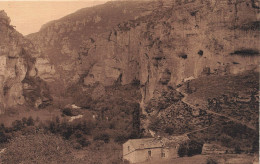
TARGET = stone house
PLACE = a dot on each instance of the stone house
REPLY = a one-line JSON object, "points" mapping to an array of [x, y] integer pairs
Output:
{"points": [[152, 149]]}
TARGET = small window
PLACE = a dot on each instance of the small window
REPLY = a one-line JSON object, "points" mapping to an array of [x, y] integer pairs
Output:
{"points": [[163, 154], [149, 153], [128, 148]]}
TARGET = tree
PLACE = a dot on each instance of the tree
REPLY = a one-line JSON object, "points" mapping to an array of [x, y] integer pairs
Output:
{"points": [[30, 121], [17, 125], [169, 130], [136, 121], [183, 150], [194, 148], [102, 136]]}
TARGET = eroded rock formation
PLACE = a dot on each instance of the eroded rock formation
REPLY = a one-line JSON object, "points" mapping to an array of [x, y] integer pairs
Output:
{"points": [[17, 63]]}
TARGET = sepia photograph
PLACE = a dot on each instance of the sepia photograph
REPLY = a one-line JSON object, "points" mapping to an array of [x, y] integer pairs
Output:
{"points": [[129, 81]]}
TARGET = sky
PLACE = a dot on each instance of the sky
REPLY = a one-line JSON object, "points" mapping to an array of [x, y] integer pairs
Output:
{"points": [[29, 16]]}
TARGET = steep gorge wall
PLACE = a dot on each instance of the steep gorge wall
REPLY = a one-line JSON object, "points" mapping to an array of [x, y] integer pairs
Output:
{"points": [[60, 40], [17, 58], [161, 44], [174, 44]]}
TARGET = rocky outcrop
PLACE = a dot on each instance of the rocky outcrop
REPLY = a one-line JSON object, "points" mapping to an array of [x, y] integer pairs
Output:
{"points": [[17, 58]]}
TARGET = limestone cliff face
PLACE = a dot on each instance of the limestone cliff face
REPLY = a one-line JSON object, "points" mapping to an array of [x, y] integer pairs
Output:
{"points": [[173, 41], [176, 43], [60, 40], [17, 58]]}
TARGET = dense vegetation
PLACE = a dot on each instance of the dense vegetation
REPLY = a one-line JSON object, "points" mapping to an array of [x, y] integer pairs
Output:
{"points": [[236, 102], [97, 131]]}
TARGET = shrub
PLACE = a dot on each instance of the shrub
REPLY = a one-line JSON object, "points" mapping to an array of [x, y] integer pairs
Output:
{"points": [[121, 138], [184, 56], [17, 125], [30, 121], [237, 149], [155, 124], [67, 132], [194, 148], [24, 120], [67, 112], [3, 137], [183, 150], [211, 161], [103, 137], [169, 130], [200, 52], [136, 82], [83, 141]]}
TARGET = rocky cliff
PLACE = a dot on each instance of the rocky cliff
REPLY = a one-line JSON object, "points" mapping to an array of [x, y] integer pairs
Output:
{"points": [[18, 69], [61, 40], [174, 44], [158, 44], [163, 45]]}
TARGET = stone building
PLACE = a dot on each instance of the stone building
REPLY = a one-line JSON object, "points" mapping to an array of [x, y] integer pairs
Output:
{"points": [[152, 149]]}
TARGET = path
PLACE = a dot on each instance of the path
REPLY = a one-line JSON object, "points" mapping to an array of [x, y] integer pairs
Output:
{"points": [[184, 99]]}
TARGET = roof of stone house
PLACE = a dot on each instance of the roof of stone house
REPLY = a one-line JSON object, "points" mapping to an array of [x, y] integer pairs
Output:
{"points": [[174, 140], [147, 143]]}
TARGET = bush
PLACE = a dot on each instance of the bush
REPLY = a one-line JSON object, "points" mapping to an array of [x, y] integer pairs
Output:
{"points": [[211, 161], [169, 130], [24, 120], [194, 148], [121, 138], [83, 141], [237, 149], [67, 112], [3, 137], [183, 150], [103, 137], [17, 125], [136, 82], [30, 121], [155, 124]]}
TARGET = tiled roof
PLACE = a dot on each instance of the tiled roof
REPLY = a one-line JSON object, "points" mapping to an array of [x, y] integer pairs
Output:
{"points": [[145, 143], [148, 143]]}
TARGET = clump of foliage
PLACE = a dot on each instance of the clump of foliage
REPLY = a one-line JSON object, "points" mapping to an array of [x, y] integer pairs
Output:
{"points": [[183, 150], [183, 56], [200, 52], [190, 148], [67, 112], [211, 161], [103, 137], [169, 130]]}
